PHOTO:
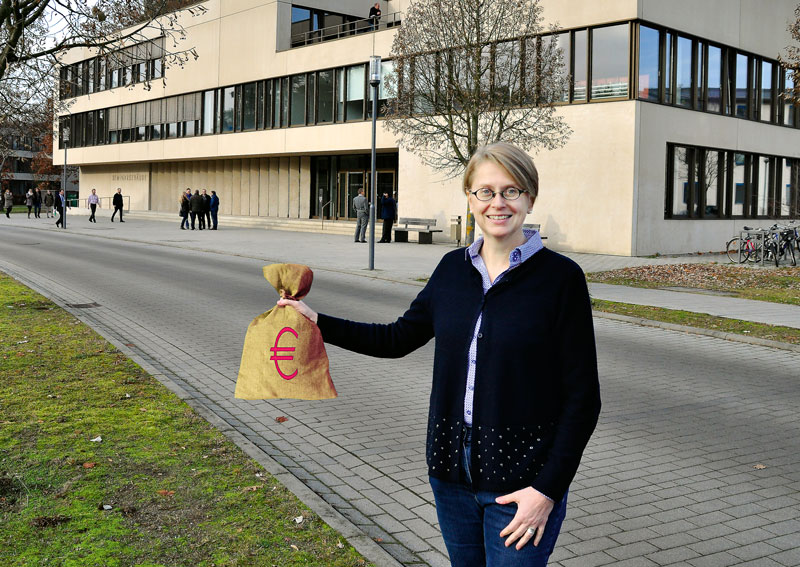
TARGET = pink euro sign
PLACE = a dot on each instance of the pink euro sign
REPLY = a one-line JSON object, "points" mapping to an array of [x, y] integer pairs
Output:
{"points": [[278, 357]]}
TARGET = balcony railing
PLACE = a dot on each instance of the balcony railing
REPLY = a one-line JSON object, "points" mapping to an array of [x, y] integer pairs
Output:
{"points": [[347, 29]]}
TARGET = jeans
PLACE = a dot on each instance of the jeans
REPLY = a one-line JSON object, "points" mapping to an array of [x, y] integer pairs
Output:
{"points": [[471, 522], [214, 220]]}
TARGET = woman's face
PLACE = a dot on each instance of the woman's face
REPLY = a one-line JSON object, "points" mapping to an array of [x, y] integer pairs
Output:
{"points": [[498, 218]]}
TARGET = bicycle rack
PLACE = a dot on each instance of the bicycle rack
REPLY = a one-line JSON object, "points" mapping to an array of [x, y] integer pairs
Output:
{"points": [[759, 237]]}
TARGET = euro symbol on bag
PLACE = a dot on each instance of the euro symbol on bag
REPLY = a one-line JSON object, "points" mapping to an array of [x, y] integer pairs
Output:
{"points": [[284, 355], [276, 349]]}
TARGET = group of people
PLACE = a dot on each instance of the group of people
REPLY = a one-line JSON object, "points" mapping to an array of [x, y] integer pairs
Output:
{"points": [[200, 207], [34, 200], [388, 210], [55, 203]]}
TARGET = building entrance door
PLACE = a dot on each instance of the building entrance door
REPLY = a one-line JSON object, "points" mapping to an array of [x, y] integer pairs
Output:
{"points": [[349, 184]]}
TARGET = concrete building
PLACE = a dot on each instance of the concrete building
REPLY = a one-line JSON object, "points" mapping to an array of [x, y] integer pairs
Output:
{"points": [[679, 134], [17, 152]]}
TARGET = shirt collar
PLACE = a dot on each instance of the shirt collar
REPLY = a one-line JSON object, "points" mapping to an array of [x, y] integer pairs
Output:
{"points": [[533, 243]]}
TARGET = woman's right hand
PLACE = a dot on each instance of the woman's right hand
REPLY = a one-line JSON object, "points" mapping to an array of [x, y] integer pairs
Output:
{"points": [[300, 307]]}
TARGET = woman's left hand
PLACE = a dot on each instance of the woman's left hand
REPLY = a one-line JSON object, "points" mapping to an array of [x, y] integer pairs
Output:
{"points": [[533, 509]]}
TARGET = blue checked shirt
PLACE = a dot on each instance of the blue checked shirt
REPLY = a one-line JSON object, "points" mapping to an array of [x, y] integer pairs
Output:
{"points": [[533, 243]]}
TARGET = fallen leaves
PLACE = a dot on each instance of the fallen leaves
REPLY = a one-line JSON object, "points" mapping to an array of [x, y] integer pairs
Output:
{"points": [[759, 467], [166, 493], [49, 521], [89, 465], [281, 419]]}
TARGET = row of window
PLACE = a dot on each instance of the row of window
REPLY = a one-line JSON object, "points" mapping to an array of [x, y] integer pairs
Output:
{"points": [[22, 143], [689, 72], [322, 97], [709, 183], [308, 20], [134, 64]]}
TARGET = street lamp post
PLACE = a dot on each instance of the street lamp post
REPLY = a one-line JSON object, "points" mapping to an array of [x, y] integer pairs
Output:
{"points": [[374, 81], [65, 139]]}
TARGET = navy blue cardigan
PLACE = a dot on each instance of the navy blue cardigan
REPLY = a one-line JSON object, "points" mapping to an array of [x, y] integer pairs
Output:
{"points": [[537, 396]]}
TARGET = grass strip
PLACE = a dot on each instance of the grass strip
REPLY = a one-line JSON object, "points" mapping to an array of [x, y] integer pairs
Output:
{"points": [[701, 320], [775, 285], [100, 465]]}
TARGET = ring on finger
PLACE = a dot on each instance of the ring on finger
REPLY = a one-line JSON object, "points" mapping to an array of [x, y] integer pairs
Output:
{"points": [[531, 531]]}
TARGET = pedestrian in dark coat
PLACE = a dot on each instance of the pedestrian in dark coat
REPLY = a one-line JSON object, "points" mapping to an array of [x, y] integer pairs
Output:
{"points": [[206, 210], [214, 209], [60, 204], [184, 202], [196, 208], [49, 201], [388, 212], [8, 202], [29, 201], [37, 203], [118, 204]]}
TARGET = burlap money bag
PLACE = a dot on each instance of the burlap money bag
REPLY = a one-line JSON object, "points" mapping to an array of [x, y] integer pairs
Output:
{"points": [[283, 354]]}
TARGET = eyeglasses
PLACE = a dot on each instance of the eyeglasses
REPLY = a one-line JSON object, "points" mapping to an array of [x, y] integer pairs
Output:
{"points": [[509, 193]]}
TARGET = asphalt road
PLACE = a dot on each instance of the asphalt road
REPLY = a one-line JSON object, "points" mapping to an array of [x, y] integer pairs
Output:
{"points": [[669, 478]]}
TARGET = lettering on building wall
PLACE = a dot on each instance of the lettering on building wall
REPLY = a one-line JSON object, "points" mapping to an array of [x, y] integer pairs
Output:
{"points": [[129, 177]]}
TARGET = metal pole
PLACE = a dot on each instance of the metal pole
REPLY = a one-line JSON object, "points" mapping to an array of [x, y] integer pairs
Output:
{"points": [[374, 81], [64, 185]]}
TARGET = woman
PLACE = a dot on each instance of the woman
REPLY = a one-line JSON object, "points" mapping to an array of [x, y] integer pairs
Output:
{"points": [[29, 201], [184, 213], [515, 392], [93, 201], [8, 202]]}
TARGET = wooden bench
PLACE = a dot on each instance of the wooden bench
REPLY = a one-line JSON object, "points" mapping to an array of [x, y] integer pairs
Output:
{"points": [[534, 227], [422, 226]]}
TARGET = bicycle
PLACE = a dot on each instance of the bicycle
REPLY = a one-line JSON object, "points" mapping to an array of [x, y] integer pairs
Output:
{"points": [[783, 244], [749, 249]]}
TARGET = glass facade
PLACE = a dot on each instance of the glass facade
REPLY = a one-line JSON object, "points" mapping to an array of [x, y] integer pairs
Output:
{"points": [[649, 63], [709, 183], [609, 70], [134, 64]]}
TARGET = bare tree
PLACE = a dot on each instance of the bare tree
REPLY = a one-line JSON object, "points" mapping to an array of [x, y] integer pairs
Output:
{"points": [[36, 34], [792, 60], [471, 72]]}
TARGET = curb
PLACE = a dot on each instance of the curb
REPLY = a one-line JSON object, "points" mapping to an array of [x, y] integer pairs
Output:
{"points": [[697, 331], [371, 550]]}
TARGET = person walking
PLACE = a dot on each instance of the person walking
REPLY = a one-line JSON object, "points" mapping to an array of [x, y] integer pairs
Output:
{"points": [[37, 203], [49, 200], [184, 212], [388, 212], [214, 209], [118, 203], [92, 202], [515, 394], [206, 209], [60, 204], [29, 201], [8, 202], [196, 209], [362, 216]]}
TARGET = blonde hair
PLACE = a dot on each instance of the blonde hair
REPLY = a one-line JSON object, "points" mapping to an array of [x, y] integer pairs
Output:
{"points": [[518, 164]]}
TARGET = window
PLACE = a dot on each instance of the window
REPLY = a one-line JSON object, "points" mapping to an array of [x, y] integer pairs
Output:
{"points": [[284, 102], [260, 106], [683, 72], [788, 107], [766, 90], [172, 130], [698, 103], [739, 183], [355, 93], [156, 69], [208, 112], [228, 106], [340, 95], [669, 67], [610, 62], [298, 100], [268, 104], [310, 98], [249, 106], [680, 183], [325, 97], [741, 96], [714, 75], [579, 66], [648, 63], [563, 43], [276, 122]]}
